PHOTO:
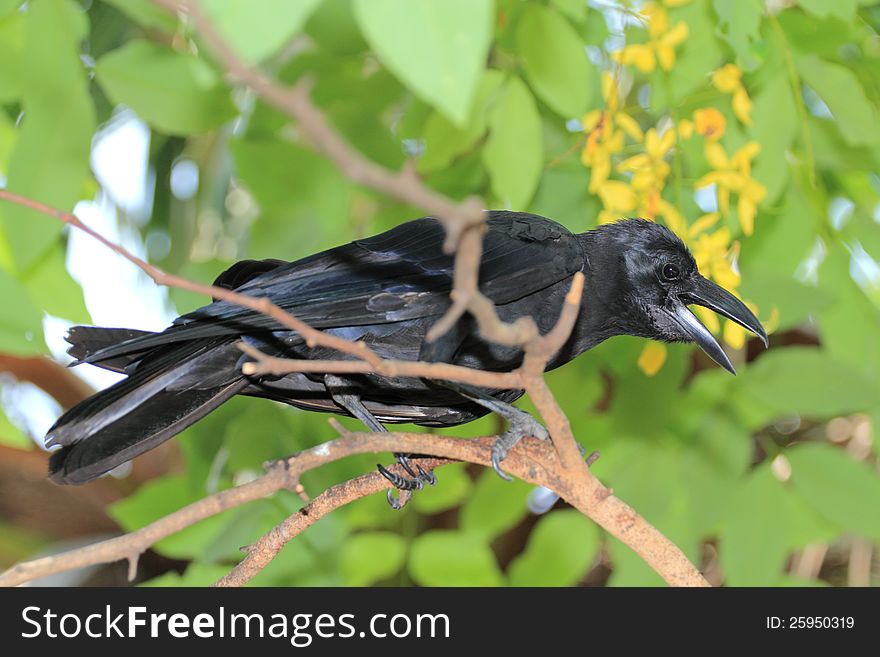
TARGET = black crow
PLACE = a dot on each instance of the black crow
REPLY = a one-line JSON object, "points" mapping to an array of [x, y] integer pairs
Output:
{"points": [[388, 291]]}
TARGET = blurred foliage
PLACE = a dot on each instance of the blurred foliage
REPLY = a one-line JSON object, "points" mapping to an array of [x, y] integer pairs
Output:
{"points": [[749, 127]]}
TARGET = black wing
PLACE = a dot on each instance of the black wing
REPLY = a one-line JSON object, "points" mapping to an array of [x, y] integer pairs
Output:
{"points": [[398, 275]]}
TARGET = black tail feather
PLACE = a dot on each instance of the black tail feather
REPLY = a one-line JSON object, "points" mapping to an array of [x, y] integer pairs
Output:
{"points": [[85, 341], [150, 424], [160, 398]]}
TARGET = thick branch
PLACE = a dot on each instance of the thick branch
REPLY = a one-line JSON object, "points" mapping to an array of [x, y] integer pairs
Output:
{"points": [[533, 462]]}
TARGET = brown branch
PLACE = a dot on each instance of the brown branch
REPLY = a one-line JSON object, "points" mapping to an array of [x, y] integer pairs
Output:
{"points": [[533, 461]]}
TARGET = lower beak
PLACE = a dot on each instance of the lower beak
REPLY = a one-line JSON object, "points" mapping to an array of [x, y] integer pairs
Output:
{"points": [[704, 292]]}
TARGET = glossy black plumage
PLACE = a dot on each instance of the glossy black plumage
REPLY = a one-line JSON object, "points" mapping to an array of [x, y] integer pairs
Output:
{"points": [[386, 290]]}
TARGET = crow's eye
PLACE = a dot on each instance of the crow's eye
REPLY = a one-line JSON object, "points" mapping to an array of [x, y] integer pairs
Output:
{"points": [[671, 271]]}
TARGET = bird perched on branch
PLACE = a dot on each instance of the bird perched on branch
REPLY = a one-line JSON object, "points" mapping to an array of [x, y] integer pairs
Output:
{"points": [[387, 291]]}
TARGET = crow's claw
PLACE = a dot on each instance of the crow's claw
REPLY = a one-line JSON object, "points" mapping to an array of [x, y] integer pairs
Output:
{"points": [[427, 477], [399, 482], [405, 485], [521, 425]]}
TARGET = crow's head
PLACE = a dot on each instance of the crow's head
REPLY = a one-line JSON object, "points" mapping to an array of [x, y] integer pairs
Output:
{"points": [[641, 278]]}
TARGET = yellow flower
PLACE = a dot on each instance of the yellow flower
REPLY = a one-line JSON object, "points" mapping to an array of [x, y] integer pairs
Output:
{"points": [[742, 105], [652, 358], [671, 216], [685, 129], [703, 223], [618, 195], [630, 126], [714, 255], [733, 175], [710, 123], [728, 80], [650, 169], [734, 334], [607, 130], [603, 141], [661, 44]]}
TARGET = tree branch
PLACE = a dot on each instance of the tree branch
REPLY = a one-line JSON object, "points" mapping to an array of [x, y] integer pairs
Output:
{"points": [[533, 461]]}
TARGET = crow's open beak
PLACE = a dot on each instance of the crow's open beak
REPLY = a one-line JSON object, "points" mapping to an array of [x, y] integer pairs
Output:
{"points": [[704, 292]]}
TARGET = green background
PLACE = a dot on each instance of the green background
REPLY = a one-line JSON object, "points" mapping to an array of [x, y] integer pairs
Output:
{"points": [[769, 478]]}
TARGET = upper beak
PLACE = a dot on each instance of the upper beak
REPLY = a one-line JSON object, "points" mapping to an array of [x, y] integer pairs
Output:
{"points": [[704, 292]]}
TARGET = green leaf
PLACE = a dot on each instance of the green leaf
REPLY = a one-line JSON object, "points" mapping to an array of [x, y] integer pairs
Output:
{"points": [[560, 549], [219, 538], [695, 59], [176, 93], [775, 127], [856, 117], [370, 557], [839, 487], [11, 435], [795, 301], [21, 331], [444, 140], [842, 9], [304, 200], [437, 49], [334, 29], [850, 324], [456, 488], [256, 30], [494, 506], [53, 290], [216, 538], [453, 558], [754, 540], [151, 501], [576, 10], [8, 6], [739, 23], [54, 137], [668, 510], [555, 61], [11, 46], [806, 381], [147, 14], [514, 152]]}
